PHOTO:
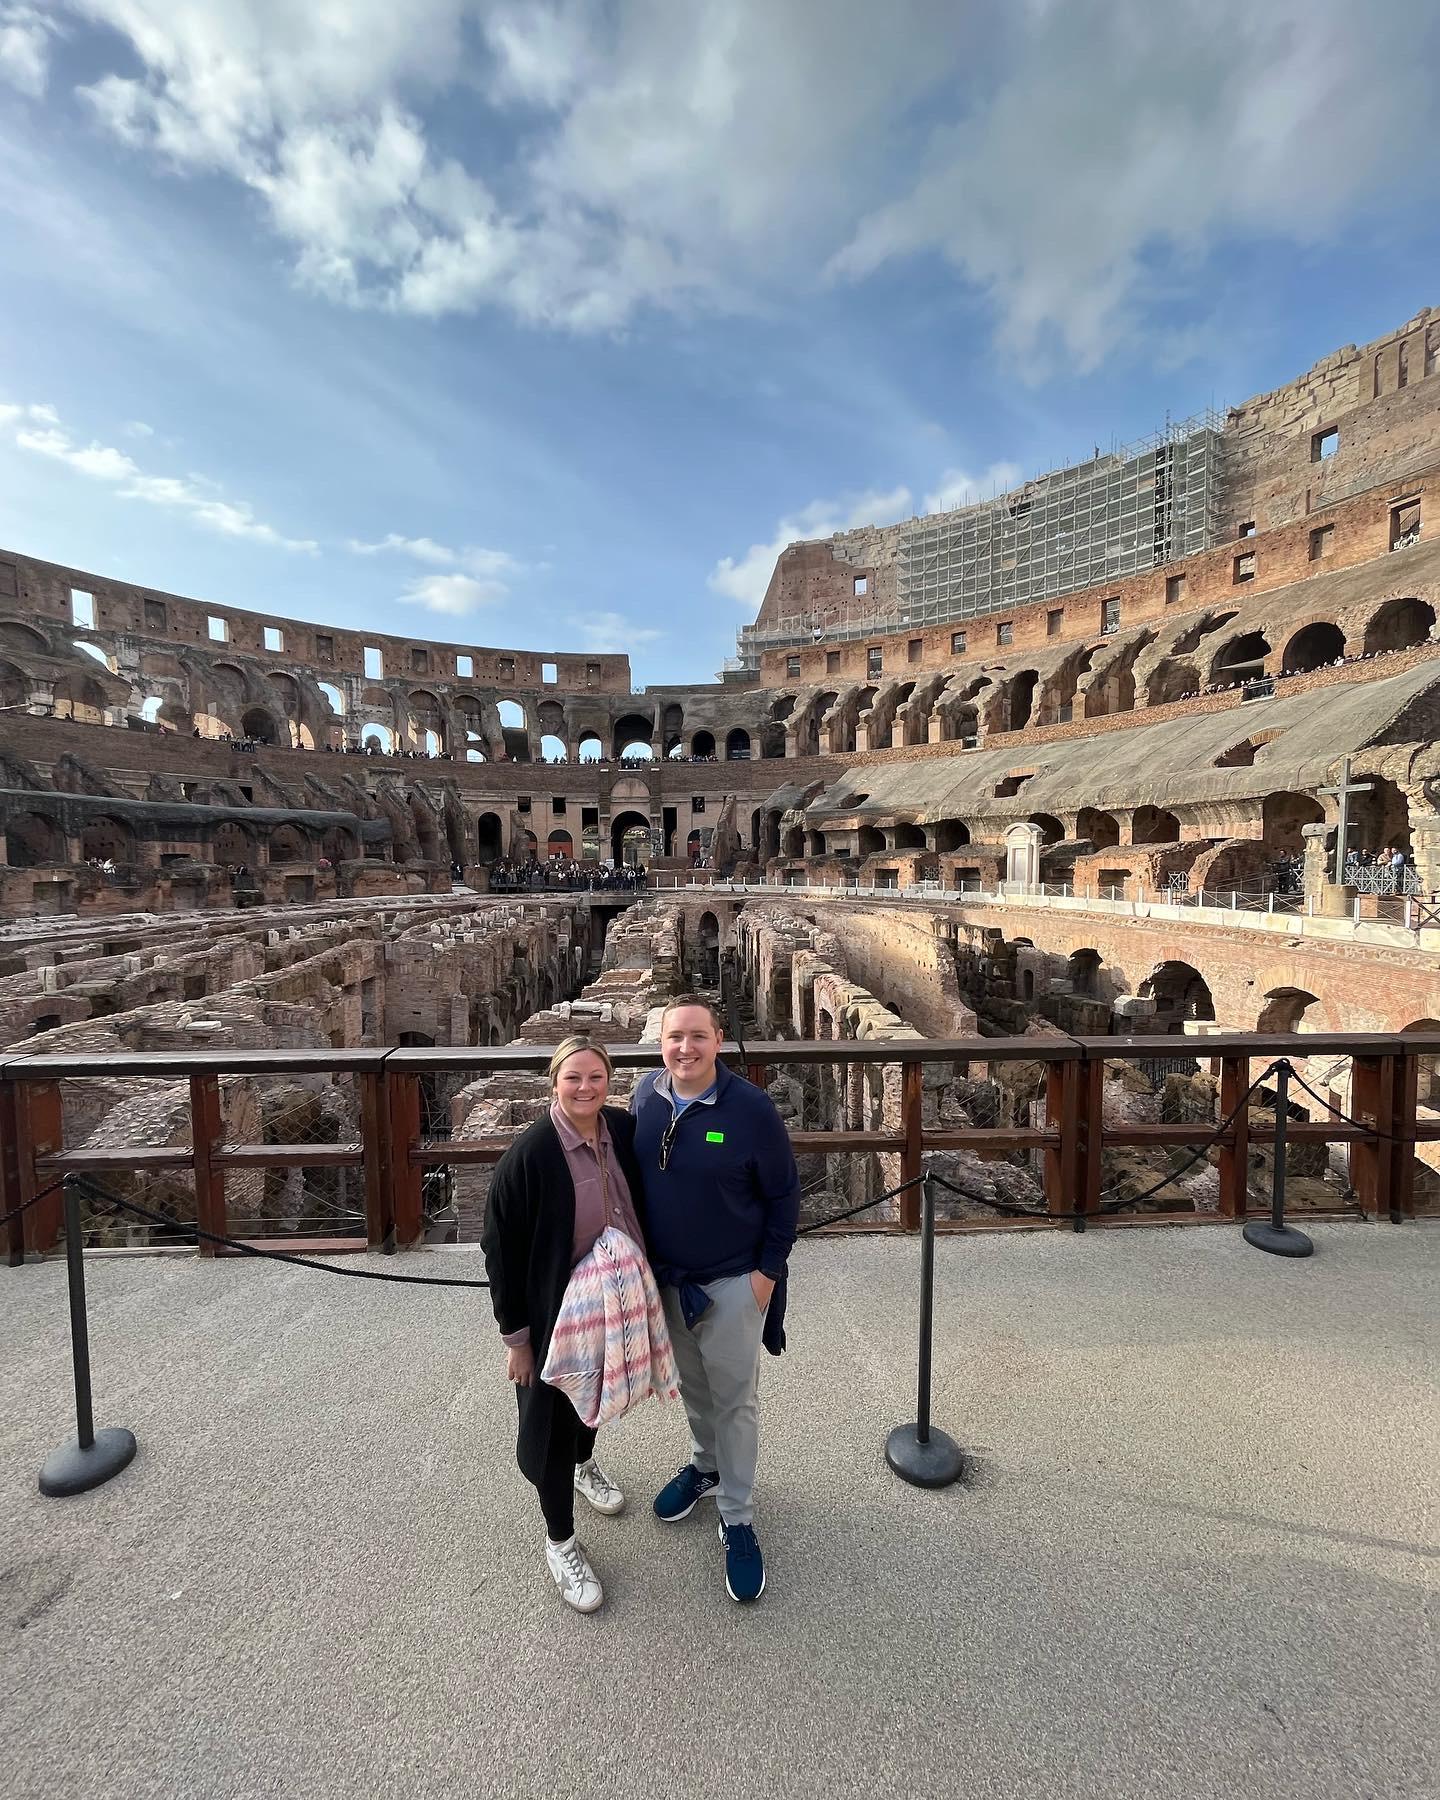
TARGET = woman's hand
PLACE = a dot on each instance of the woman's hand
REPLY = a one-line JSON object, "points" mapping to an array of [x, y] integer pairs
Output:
{"points": [[520, 1365]]}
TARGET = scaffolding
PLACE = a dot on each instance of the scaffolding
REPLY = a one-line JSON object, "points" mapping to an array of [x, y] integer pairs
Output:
{"points": [[1135, 508], [1132, 508]]}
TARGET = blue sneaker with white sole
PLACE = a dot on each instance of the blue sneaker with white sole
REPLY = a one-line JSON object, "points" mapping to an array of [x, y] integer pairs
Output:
{"points": [[679, 1498], [744, 1565]]}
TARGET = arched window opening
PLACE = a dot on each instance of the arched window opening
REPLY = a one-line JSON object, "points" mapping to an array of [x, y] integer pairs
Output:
{"points": [[1284, 818], [1180, 993], [560, 843], [288, 843], [380, 736], [637, 750], [32, 841], [1399, 625], [256, 723], [630, 839], [552, 749], [590, 747], [1314, 647], [489, 837], [107, 840], [334, 699], [737, 746], [1051, 830], [1242, 659], [512, 715], [94, 650], [232, 846], [150, 711], [630, 731], [1021, 699], [951, 834], [1083, 973], [1154, 825], [1101, 830], [909, 837], [703, 744]]}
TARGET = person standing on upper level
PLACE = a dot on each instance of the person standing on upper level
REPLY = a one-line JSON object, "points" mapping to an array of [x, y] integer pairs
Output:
{"points": [[722, 1200]]}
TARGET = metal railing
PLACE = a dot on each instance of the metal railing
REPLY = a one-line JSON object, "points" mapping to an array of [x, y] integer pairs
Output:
{"points": [[391, 1151]]}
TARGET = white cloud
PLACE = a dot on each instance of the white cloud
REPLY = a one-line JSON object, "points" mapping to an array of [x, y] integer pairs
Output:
{"points": [[958, 488], [453, 594], [1064, 159], [609, 633], [423, 549], [137, 428], [195, 497], [744, 579], [26, 34]]}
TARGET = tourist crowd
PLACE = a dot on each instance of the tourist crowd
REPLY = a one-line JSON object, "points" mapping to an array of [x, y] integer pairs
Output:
{"points": [[562, 872]]}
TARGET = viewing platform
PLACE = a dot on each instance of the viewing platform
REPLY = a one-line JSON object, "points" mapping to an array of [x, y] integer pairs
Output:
{"points": [[1191, 1555]]}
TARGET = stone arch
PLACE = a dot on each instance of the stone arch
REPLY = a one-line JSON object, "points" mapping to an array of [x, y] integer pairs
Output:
{"points": [[1283, 818], [32, 840], [633, 738], [231, 844], [589, 746], [259, 723], [793, 841], [1240, 658], [490, 838], [552, 748], [1020, 699], [1314, 646], [79, 698], [1180, 992], [1083, 972], [24, 638], [737, 745], [672, 727], [427, 721], [703, 743], [14, 686], [1100, 829], [339, 845], [1171, 680], [871, 840], [379, 735], [1399, 624], [951, 834], [909, 837], [1050, 829], [626, 843], [333, 696], [108, 839], [560, 843], [1154, 825], [288, 843], [1284, 1008]]}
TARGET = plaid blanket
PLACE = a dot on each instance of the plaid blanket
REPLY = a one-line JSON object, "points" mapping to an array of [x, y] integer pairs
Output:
{"points": [[610, 1347]]}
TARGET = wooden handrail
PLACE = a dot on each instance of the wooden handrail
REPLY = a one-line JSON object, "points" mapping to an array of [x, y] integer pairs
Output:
{"points": [[394, 1153]]}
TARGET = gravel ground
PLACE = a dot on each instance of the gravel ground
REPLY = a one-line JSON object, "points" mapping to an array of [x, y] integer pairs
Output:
{"points": [[1191, 1556]]}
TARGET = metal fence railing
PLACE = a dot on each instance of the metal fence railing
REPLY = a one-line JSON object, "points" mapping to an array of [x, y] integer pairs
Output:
{"points": [[367, 1130]]}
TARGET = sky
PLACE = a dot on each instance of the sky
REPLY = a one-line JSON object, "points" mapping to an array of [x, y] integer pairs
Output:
{"points": [[547, 325]]}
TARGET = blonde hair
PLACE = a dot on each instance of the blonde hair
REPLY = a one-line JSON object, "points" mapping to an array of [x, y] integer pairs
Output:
{"points": [[571, 1046]]}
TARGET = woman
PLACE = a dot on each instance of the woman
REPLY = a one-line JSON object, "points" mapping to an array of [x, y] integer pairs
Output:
{"points": [[555, 1190]]}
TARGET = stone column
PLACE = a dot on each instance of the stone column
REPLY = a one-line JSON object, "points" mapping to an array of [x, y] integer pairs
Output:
{"points": [[1425, 844]]}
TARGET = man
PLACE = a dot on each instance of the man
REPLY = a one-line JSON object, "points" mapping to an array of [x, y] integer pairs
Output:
{"points": [[722, 1199]]}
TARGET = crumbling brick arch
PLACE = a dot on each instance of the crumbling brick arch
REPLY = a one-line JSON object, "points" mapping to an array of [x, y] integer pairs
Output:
{"points": [[32, 841], [107, 838], [289, 843], [1314, 646], [15, 685], [1399, 624]]}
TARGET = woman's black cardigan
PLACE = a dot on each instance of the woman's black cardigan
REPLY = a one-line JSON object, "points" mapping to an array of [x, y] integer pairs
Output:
{"points": [[529, 1229]]}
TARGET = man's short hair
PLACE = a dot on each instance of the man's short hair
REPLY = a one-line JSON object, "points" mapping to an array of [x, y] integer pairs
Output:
{"points": [[693, 1000]]}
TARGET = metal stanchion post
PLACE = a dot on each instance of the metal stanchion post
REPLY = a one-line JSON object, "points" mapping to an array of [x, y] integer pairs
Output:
{"points": [[918, 1453], [95, 1455], [1273, 1234]]}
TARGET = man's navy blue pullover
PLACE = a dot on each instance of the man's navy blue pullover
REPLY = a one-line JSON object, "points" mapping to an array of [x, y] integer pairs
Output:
{"points": [[728, 1199]]}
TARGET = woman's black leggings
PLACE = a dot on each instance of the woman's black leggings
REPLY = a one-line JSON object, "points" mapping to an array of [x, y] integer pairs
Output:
{"points": [[571, 1443]]}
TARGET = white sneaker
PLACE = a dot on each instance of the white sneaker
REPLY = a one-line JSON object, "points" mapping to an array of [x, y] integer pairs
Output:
{"points": [[578, 1583], [597, 1487]]}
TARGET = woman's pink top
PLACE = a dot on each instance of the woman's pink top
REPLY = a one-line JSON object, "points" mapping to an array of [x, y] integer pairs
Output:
{"points": [[602, 1194]]}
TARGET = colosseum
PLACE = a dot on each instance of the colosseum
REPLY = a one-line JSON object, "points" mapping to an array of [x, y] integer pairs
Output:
{"points": [[1110, 785]]}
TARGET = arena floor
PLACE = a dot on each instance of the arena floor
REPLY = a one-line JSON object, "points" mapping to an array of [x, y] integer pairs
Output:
{"points": [[1192, 1556]]}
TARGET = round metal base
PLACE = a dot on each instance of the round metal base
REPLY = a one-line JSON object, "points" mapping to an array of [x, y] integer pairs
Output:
{"points": [[1281, 1240], [934, 1464], [71, 1470]]}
